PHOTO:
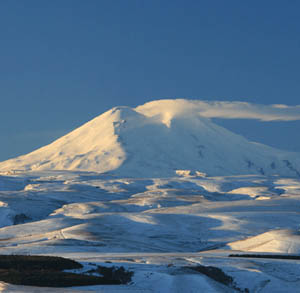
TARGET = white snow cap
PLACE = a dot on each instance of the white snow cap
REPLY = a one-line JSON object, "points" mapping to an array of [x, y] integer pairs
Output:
{"points": [[160, 137]]}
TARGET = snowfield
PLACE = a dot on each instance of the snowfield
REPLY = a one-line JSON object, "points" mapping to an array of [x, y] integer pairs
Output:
{"points": [[156, 226], [157, 189]]}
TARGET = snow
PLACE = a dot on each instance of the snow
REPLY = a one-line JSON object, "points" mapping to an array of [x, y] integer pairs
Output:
{"points": [[157, 139], [5, 215], [156, 226], [154, 189], [276, 241]]}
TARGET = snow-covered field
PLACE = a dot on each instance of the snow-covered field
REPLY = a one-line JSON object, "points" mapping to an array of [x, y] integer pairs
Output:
{"points": [[155, 226], [157, 188]]}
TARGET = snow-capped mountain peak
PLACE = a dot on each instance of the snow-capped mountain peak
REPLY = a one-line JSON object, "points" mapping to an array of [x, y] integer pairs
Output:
{"points": [[155, 140]]}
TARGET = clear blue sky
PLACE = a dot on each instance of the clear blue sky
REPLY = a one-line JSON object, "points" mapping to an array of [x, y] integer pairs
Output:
{"points": [[63, 62]]}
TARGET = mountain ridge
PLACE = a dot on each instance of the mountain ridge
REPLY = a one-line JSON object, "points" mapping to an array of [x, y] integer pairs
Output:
{"points": [[155, 140]]}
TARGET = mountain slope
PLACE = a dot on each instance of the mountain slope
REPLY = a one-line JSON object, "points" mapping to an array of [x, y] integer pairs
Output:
{"points": [[154, 140]]}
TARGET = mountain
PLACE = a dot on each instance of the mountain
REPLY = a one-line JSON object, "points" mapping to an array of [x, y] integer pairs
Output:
{"points": [[155, 140]]}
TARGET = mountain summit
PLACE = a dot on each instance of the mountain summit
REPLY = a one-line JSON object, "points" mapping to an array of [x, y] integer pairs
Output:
{"points": [[155, 140]]}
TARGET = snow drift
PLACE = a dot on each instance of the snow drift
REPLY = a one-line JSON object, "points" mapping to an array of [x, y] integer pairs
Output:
{"points": [[155, 140]]}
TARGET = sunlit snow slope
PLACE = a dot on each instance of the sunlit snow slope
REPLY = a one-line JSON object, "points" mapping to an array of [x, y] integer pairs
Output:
{"points": [[155, 140]]}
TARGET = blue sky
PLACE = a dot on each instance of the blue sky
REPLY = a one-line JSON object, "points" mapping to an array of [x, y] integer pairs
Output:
{"points": [[63, 62]]}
